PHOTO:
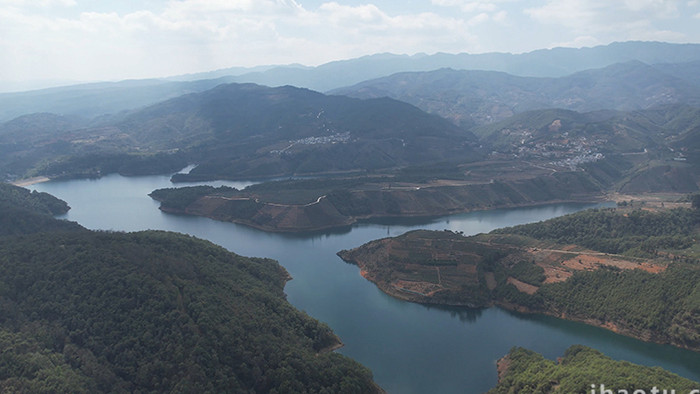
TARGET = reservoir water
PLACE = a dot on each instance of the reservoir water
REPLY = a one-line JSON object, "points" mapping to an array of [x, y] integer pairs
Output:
{"points": [[410, 348]]}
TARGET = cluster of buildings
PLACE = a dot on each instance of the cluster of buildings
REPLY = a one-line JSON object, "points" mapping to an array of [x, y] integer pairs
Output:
{"points": [[561, 151], [327, 139]]}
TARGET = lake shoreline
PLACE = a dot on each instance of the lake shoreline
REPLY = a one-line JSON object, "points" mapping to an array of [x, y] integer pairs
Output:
{"points": [[395, 288], [30, 181], [353, 220], [379, 331], [615, 327]]}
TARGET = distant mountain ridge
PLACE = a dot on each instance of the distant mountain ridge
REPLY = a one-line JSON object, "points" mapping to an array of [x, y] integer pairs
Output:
{"points": [[634, 124], [242, 131], [471, 98], [555, 62], [95, 99], [90, 100], [246, 130]]}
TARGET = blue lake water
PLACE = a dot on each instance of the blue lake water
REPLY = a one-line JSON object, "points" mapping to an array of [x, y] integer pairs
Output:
{"points": [[410, 348]]}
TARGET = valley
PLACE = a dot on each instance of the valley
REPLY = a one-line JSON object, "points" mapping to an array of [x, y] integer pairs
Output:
{"points": [[386, 163], [391, 337], [370, 158]]}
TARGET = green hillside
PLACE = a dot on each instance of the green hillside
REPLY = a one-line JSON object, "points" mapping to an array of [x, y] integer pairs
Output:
{"points": [[323, 203], [84, 311], [25, 212], [632, 271], [237, 131], [582, 370]]}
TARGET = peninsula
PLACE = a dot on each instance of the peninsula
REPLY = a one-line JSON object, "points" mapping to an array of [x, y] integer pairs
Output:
{"points": [[94, 312], [630, 270], [297, 205]]}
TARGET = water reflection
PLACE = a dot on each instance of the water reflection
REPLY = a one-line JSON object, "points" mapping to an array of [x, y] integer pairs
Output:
{"points": [[618, 346], [318, 234], [465, 315]]}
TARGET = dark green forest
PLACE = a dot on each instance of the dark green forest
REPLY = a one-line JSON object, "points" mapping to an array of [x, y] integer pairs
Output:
{"points": [[638, 232], [664, 307], [181, 198], [85, 311], [21, 198], [24, 212], [581, 367]]}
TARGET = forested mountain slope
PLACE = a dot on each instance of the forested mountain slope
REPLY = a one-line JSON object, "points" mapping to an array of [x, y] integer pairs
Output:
{"points": [[653, 150], [632, 271], [84, 311], [96, 99], [246, 131], [581, 370], [25, 212]]}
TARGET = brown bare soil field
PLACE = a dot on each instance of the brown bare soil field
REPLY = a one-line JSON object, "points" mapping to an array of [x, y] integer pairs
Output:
{"points": [[522, 286], [560, 264], [589, 263]]}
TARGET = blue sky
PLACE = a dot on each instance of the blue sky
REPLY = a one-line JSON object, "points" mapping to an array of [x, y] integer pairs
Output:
{"points": [[87, 40]]}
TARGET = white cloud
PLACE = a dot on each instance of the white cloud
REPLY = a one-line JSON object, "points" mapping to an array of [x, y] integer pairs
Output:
{"points": [[197, 8], [500, 16], [347, 15], [625, 20], [659, 8], [482, 11], [478, 19], [473, 5], [467, 6], [38, 3], [574, 13], [360, 30], [195, 35], [579, 42], [91, 40]]}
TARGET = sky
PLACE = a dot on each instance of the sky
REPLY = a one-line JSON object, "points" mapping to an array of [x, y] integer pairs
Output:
{"points": [[90, 40]]}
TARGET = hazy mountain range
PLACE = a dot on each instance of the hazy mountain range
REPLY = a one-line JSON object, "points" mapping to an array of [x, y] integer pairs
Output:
{"points": [[245, 130], [90, 100], [238, 130], [379, 136], [555, 62], [471, 98]]}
